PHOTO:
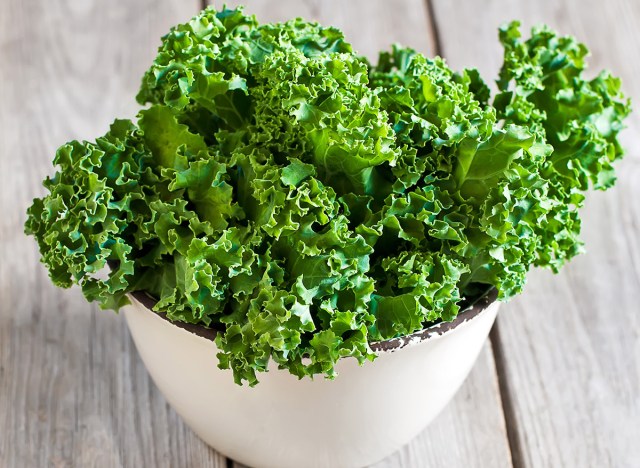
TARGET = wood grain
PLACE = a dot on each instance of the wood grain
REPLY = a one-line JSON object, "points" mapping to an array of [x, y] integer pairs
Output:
{"points": [[73, 391], [571, 342], [470, 432]]}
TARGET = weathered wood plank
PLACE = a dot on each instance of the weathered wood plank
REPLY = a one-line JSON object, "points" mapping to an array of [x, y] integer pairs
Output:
{"points": [[571, 341], [470, 431], [73, 391]]}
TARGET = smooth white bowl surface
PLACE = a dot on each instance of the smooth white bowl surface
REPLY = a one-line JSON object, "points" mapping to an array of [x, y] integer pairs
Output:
{"points": [[362, 416]]}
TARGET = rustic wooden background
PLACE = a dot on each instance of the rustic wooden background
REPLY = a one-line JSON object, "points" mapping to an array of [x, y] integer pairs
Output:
{"points": [[557, 385]]}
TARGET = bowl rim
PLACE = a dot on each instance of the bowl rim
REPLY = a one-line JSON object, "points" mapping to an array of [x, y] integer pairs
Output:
{"points": [[390, 345]]}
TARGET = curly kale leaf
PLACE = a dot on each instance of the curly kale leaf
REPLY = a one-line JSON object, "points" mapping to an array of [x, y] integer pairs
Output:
{"points": [[305, 203]]}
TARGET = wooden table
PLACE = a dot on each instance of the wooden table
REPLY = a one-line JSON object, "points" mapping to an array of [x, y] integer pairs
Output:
{"points": [[557, 385]]}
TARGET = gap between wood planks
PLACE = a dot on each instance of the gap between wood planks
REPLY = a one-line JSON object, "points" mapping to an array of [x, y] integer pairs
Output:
{"points": [[508, 409], [504, 388]]}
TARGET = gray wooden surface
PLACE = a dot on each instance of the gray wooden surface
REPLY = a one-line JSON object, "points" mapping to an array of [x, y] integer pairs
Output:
{"points": [[559, 383], [570, 343]]}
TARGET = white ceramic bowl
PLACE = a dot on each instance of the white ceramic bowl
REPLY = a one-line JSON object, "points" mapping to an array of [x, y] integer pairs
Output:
{"points": [[362, 416]]}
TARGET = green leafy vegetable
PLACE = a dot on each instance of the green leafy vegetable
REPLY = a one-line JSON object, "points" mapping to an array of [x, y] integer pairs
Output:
{"points": [[304, 203]]}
